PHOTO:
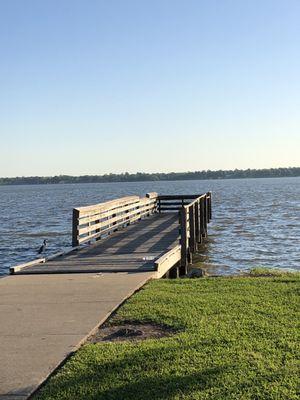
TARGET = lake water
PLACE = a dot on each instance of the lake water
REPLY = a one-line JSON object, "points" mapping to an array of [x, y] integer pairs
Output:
{"points": [[256, 222]]}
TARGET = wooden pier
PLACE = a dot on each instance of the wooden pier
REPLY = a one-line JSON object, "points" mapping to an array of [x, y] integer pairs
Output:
{"points": [[156, 233], [50, 306]]}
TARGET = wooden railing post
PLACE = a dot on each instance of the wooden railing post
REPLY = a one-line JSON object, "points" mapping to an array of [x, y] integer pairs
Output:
{"points": [[139, 213], [198, 222], [205, 215], [202, 217], [152, 196], [183, 242], [209, 207], [97, 230], [192, 239], [75, 224], [114, 223]]}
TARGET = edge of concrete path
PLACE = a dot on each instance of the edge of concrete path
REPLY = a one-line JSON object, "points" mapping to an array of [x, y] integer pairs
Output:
{"points": [[84, 339]]}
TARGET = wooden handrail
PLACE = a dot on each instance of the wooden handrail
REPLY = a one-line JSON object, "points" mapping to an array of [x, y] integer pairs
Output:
{"points": [[194, 218], [175, 202], [92, 222]]}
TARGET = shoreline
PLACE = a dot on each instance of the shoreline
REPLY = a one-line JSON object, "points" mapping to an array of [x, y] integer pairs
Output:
{"points": [[268, 173]]}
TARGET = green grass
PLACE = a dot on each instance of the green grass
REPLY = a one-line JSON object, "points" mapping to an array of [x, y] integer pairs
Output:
{"points": [[263, 271], [237, 339]]}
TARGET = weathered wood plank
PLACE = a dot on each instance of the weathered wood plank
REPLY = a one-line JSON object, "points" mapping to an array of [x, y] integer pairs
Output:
{"points": [[101, 215], [115, 219], [119, 217], [170, 208], [179, 197], [178, 203], [18, 268], [108, 205], [152, 195]]}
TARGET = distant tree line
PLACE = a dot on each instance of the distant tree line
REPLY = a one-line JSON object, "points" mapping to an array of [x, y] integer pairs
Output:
{"points": [[142, 176]]}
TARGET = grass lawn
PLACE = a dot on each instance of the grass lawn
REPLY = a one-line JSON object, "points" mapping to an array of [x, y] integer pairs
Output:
{"points": [[237, 339]]}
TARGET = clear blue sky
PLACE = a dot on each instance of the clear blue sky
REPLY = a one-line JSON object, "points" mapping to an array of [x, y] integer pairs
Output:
{"points": [[94, 86]]}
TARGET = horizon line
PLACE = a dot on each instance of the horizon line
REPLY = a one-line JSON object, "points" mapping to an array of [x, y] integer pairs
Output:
{"points": [[126, 173]]}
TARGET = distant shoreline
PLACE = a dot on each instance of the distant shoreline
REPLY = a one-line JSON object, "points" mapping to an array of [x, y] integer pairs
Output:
{"points": [[155, 177]]}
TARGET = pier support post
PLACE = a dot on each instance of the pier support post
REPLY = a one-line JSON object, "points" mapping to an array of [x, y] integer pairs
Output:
{"points": [[206, 210], [182, 270], [183, 241], [75, 225], [203, 217], [174, 272], [209, 207], [192, 239], [198, 223]]}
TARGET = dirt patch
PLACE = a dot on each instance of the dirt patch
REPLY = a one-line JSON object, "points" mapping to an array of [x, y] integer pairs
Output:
{"points": [[131, 332]]}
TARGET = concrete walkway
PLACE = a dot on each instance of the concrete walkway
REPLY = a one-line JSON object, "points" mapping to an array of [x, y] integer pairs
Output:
{"points": [[43, 318]]}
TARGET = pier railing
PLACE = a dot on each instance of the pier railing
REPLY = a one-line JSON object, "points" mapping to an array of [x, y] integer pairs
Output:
{"points": [[195, 212], [96, 221], [174, 202]]}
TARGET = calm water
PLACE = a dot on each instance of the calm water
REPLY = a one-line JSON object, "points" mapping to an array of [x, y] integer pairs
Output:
{"points": [[255, 221]]}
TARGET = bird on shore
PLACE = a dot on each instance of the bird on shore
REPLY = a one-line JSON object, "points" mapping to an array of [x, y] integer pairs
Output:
{"points": [[43, 247]]}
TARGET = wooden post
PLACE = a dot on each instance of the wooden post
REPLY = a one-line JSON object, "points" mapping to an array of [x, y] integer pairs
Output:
{"points": [[174, 272], [127, 219], [183, 242], [75, 224], [205, 215], [89, 232], [202, 217], [138, 207], [192, 239], [209, 207], [114, 223], [97, 230], [197, 222]]}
